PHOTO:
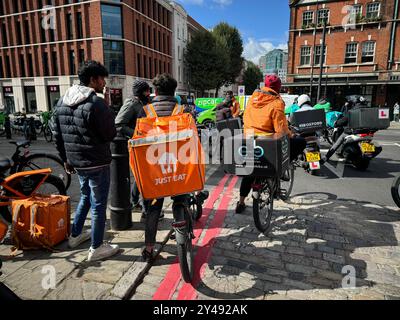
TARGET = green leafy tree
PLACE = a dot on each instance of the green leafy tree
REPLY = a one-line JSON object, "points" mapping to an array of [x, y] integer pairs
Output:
{"points": [[252, 77], [229, 39], [206, 61]]}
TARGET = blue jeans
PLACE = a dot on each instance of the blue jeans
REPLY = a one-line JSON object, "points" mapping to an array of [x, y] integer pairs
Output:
{"points": [[95, 185]]}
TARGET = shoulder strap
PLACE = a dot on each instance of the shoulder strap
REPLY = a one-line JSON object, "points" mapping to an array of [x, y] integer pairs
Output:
{"points": [[178, 110], [150, 111]]}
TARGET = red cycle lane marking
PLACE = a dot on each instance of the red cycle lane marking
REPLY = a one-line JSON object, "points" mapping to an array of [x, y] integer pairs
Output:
{"points": [[188, 291], [171, 281]]}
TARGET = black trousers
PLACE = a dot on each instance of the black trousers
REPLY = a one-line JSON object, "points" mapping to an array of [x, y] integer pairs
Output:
{"points": [[153, 212], [297, 146]]}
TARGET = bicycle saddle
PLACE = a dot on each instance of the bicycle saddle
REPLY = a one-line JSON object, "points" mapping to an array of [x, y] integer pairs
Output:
{"points": [[5, 164], [19, 144]]}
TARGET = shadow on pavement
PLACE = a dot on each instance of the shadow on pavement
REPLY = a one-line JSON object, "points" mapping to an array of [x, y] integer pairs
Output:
{"points": [[307, 248]]}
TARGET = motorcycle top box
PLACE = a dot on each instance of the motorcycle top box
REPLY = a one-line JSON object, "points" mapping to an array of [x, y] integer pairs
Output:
{"points": [[369, 118], [261, 156], [309, 121]]}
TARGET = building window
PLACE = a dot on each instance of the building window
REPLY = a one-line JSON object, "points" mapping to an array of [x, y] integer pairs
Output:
{"points": [[69, 27], [137, 32], [317, 55], [79, 25], [114, 57], [373, 10], [351, 53], [308, 18], [368, 51], [355, 12], [53, 95], [305, 55], [22, 65], [146, 75], [1, 68], [138, 64], [54, 61], [112, 21], [81, 58], [19, 34], [45, 61], [30, 100], [72, 62], [4, 35], [322, 15], [8, 67], [27, 32]]}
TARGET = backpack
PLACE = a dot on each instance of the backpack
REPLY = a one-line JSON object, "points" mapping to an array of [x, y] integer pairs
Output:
{"points": [[166, 155], [40, 221]]}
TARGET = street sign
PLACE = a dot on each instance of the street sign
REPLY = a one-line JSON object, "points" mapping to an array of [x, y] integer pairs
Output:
{"points": [[242, 91], [383, 113]]}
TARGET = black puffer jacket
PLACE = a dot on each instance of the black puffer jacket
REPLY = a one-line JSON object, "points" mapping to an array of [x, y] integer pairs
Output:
{"points": [[83, 128], [163, 105]]}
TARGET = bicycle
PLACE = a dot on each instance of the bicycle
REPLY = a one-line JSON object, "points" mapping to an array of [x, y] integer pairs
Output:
{"points": [[184, 234], [19, 186], [265, 191], [396, 191], [43, 125], [28, 162]]}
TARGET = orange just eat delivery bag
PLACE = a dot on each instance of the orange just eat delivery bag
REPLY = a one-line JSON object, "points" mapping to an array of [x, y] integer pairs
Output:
{"points": [[166, 156]]}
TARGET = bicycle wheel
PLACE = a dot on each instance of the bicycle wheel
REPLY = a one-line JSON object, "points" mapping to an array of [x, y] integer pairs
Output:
{"points": [[185, 249], [263, 207], [287, 186], [52, 186], [48, 135], [43, 161], [396, 191]]}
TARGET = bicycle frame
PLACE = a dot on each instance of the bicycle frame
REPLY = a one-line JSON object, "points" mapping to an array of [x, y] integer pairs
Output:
{"points": [[15, 194]]}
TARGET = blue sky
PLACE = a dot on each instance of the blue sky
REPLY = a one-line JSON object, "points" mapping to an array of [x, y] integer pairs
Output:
{"points": [[263, 24]]}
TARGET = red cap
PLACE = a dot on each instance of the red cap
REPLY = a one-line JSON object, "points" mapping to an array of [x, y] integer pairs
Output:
{"points": [[272, 81]]}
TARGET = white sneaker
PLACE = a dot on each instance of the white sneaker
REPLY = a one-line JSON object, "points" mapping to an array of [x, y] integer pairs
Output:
{"points": [[76, 242], [104, 251]]}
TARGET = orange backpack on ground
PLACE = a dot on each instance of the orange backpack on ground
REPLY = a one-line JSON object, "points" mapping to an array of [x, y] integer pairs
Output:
{"points": [[166, 156], [40, 221]]}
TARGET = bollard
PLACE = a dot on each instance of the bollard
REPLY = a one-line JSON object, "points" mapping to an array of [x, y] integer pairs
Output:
{"points": [[7, 127], [120, 190]]}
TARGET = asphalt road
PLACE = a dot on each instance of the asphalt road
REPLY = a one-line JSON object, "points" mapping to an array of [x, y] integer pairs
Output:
{"points": [[340, 181]]}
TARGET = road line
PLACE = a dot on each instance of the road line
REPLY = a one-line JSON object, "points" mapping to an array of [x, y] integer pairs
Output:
{"points": [[188, 291], [334, 170], [171, 281]]}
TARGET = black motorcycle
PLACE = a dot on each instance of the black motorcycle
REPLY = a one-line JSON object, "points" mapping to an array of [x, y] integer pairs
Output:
{"points": [[357, 147]]}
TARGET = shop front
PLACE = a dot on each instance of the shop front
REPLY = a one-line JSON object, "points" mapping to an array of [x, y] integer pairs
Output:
{"points": [[9, 102]]}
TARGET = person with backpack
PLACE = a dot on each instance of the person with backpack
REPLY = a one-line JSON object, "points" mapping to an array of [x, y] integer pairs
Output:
{"points": [[265, 113], [164, 104], [84, 127], [126, 124]]}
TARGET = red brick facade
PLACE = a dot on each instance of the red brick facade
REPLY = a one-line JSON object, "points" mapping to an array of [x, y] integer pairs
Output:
{"points": [[23, 53], [379, 72]]}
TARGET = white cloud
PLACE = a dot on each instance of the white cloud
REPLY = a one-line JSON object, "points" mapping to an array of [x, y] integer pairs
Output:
{"points": [[254, 49], [223, 3]]}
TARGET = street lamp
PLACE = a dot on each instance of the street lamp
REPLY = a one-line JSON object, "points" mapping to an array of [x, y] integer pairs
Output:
{"points": [[313, 55]]}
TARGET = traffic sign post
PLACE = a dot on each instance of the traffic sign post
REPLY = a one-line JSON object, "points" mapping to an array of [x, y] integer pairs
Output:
{"points": [[242, 91]]}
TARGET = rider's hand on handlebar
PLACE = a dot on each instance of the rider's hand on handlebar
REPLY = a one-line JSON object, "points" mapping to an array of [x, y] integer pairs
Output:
{"points": [[69, 169]]}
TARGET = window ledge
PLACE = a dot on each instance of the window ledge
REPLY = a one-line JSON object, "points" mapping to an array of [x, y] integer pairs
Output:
{"points": [[358, 64]]}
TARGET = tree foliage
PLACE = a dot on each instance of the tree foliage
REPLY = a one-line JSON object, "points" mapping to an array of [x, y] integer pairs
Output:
{"points": [[206, 61], [231, 42], [252, 77]]}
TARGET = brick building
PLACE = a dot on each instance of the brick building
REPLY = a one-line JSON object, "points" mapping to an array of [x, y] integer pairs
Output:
{"points": [[362, 49], [42, 49]]}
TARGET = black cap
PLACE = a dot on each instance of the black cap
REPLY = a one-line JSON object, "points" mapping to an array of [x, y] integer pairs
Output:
{"points": [[139, 87]]}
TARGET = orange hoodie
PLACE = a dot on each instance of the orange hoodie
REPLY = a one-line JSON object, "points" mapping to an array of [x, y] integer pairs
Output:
{"points": [[265, 113]]}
